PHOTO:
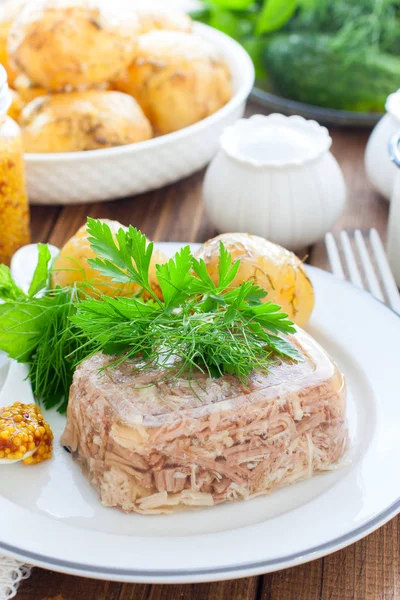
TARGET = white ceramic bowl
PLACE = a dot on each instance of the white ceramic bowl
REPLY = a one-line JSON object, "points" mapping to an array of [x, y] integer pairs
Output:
{"points": [[98, 175]]}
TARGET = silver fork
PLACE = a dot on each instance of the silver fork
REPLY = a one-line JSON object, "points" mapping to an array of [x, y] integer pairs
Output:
{"points": [[378, 279]]}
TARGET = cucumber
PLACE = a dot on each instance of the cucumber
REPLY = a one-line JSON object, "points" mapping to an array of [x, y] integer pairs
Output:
{"points": [[311, 68]]}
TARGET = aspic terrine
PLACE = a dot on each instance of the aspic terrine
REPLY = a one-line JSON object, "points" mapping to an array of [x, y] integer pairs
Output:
{"points": [[151, 444]]}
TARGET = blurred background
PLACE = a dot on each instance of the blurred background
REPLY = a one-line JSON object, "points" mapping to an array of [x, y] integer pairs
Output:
{"points": [[341, 55]]}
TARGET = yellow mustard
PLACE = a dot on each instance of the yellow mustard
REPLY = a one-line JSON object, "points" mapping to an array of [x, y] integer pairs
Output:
{"points": [[23, 430], [14, 210]]}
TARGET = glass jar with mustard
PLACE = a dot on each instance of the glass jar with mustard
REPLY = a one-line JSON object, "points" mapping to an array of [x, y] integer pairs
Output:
{"points": [[14, 210]]}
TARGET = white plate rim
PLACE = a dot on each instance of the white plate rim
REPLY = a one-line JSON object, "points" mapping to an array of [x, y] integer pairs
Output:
{"points": [[221, 572], [205, 575]]}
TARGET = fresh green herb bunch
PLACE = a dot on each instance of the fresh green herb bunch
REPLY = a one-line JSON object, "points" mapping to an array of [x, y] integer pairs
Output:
{"points": [[198, 326], [35, 328]]}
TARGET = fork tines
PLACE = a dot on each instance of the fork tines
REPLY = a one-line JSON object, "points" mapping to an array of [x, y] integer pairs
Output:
{"points": [[371, 255]]}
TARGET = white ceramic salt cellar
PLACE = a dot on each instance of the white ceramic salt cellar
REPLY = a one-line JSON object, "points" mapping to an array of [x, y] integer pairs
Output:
{"points": [[274, 176], [380, 170]]}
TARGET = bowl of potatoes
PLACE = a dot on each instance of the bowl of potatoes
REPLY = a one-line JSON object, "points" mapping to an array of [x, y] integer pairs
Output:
{"points": [[116, 98]]}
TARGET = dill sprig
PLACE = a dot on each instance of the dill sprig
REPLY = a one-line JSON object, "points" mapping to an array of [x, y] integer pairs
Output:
{"points": [[60, 348]]}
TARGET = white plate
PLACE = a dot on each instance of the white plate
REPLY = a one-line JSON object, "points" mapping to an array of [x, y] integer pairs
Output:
{"points": [[99, 175], [50, 516]]}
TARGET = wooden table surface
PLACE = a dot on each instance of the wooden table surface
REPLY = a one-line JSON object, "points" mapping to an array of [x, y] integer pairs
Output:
{"points": [[367, 570]]}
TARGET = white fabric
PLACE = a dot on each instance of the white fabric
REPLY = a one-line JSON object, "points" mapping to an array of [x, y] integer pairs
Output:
{"points": [[12, 572]]}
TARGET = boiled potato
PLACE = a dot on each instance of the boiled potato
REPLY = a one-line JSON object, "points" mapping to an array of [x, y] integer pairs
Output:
{"points": [[270, 266], [71, 266], [17, 104], [27, 89], [178, 79], [82, 121], [72, 44]]}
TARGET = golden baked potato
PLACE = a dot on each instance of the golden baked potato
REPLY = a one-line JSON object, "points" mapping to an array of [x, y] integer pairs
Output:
{"points": [[71, 266], [17, 104], [67, 45], [177, 78], [270, 266], [82, 121], [27, 89]]}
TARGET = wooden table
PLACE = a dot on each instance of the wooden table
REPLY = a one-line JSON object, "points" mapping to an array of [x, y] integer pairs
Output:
{"points": [[368, 570]]}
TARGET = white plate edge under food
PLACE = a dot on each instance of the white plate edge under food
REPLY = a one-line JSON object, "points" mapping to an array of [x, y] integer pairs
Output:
{"points": [[226, 571]]}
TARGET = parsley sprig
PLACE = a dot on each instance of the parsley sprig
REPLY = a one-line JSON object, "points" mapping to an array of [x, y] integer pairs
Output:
{"points": [[198, 325]]}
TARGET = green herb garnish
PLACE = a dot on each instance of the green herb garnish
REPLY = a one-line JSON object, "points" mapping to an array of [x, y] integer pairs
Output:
{"points": [[197, 326], [37, 330]]}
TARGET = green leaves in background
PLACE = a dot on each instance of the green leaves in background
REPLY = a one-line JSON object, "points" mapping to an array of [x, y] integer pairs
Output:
{"points": [[364, 47], [237, 25], [233, 4], [240, 18], [256, 49], [275, 14]]}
